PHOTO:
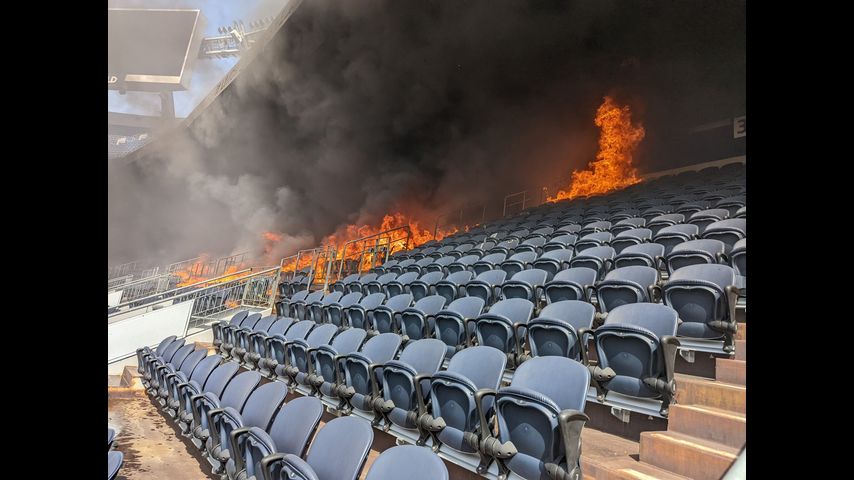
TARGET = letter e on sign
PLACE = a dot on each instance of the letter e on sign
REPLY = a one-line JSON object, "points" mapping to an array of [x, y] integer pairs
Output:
{"points": [[739, 127]]}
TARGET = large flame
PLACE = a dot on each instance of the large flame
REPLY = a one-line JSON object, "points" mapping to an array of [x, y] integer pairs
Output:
{"points": [[201, 270], [612, 169]]}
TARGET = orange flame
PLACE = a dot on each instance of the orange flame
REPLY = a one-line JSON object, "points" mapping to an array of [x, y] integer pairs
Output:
{"points": [[201, 270], [612, 169], [232, 303]]}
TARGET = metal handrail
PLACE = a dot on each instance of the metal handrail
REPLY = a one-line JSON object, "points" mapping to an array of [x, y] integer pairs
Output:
{"points": [[378, 236], [185, 287]]}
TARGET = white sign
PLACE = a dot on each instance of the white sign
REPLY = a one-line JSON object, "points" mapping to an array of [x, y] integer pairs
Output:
{"points": [[739, 127]]}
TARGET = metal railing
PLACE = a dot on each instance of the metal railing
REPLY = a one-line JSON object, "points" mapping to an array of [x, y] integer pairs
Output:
{"points": [[175, 292], [213, 302], [118, 281], [365, 253], [147, 287]]}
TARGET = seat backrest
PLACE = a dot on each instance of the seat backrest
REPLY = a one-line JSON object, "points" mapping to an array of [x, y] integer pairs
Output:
{"points": [[643, 276], [295, 424], [220, 378], [655, 317], [205, 367], [467, 260], [493, 258], [314, 297], [685, 229], [239, 389], [560, 379], [516, 309], [386, 277], [238, 317], [430, 304], [406, 278], [720, 275], [192, 361], [534, 276], [425, 355], [264, 323], [350, 299], [299, 329], [372, 301], [170, 351], [483, 365], [459, 278], [181, 354], [262, 404], [524, 257], [399, 302], [349, 340], [250, 321], [331, 297], [408, 461], [468, 307], [381, 348], [164, 344], [340, 447], [431, 278], [575, 312], [280, 326], [580, 275], [321, 335]]}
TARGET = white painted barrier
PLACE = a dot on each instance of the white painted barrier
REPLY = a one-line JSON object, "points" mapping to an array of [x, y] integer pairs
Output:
{"points": [[125, 336]]}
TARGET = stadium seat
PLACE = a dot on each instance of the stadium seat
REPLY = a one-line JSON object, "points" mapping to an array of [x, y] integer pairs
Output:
{"points": [[336, 312], [424, 286], [503, 327], [276, 347], [353, 382], [386, 317], [115, 458], [696, 252], [316, 309], [728, 231], [599, 259], [295, 368], [559, 330], [322, 359], [410, 462], [358, 314], [400, 284], [453, 286], [627, 238], [570, 284], [553, 261], [593, 240], [626, 285], [234, 396], [462, 264], [488, 262]]}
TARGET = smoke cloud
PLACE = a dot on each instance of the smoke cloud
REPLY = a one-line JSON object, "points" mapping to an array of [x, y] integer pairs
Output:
{"points": [[362, 107]]}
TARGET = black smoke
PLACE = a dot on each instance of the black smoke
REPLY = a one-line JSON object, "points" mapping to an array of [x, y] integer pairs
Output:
{"points": [[360, 107]]}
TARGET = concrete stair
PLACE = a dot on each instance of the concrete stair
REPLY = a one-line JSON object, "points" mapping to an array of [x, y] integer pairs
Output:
{"points": [[687, 455], [731, 371], [722, 426], [131, 378], [711, 393], [627, 468]]}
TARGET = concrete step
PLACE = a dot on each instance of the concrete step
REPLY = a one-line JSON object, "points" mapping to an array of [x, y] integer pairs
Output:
{"points": [[692, 390], [686, 455], [131, 378], [731, 371], [114, 380], [727, 428], [741, 334], [741, 349], [627, 468]]}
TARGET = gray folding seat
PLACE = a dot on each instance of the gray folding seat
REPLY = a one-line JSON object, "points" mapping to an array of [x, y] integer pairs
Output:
{"points": [[386, 317], [531, 245], [299, 308], [455, 324], [284, 307], [624, 285], [462, 264], [358, 314], [518, 262], [257, 411], [243, 337], [417, 321], [158, 387], [487, 285], [553, 261], [439, 264], [592, 240], [595, 226], [705, 297], [419, 265], [527, 284], [644, 254], [258, 342], [152, 361], [353, 377], [169, 389], [676, 234], [461, 250], [115, 458], [217, 327], [628, 224], [400, 268], [234, 395], [410, 462], [209, 376], [626, 238], [541, 232], [728, 231], [360, 285], [453, 286], [481, 248], [560, 329], [322, 365], [338, 452], [341, 285], [741, 212], [384, 268], [732, 204], [400, 284], [560, 242], [452, 392], [422, 253], [539, 419], [696, 252], [276, 347], [689, 208], [636, 348], [336, 311], [425, 285], [570, 284], [505, 246], [378, 285], [738, 257], [661, 221], [503, 327], [655, 211], [229, 333], [704, 218], [600, 259], [396, 402], [622, 216], [518, 234], [145, 352], [295, 369], [316, 309], [111, 436], [572, 227], [290, 432], [488, 262]]}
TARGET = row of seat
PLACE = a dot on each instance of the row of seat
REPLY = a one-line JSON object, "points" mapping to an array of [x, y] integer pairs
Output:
{"points": [[247, 431], [115, 458]]}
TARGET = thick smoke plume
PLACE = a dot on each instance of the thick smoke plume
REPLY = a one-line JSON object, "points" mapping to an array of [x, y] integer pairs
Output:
{"points": [[360, 108]]}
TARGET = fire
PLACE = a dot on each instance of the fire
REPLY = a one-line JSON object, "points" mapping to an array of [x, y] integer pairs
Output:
{"points": [[200, 271], [612, 169], [232, 304], [270, 241]]}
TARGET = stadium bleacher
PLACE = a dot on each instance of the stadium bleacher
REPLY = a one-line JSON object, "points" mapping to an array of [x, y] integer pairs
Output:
{"points": [[490, 349]]}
